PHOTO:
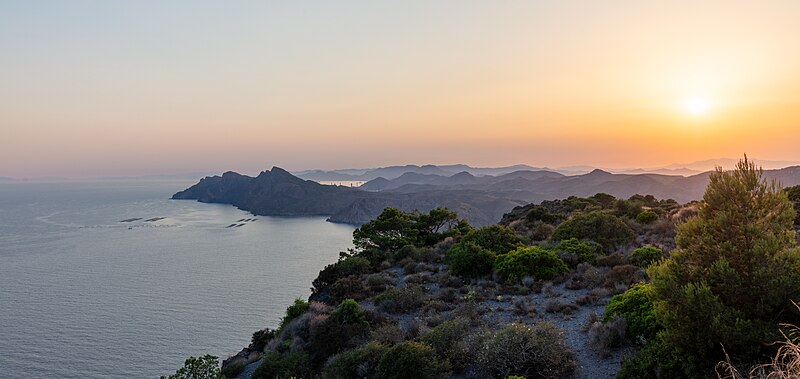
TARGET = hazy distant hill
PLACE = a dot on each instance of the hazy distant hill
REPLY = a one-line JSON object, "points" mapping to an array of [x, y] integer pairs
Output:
{"points": [[480, 199], [392, 172]]}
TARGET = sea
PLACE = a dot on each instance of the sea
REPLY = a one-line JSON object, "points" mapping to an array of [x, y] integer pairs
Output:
{"points": [[112, 279]]}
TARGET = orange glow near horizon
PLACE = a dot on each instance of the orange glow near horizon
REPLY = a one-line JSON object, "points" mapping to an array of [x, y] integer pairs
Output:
{"points": [[207, 86]]}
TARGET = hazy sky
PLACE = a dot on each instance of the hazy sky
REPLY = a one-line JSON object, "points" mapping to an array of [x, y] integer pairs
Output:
{"points": [[138, 87]]}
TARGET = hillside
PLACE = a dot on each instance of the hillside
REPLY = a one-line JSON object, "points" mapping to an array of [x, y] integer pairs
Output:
{"points": [[482, 200]]}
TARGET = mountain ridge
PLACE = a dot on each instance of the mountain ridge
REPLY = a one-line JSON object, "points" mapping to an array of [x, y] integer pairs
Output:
{"points": [[482, 200]]}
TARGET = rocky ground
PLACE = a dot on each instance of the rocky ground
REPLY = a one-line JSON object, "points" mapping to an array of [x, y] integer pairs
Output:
{"points": [[561, 303]]}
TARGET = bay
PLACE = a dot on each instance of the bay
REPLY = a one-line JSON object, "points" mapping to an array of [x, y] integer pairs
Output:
{"points": [[84, 294]]}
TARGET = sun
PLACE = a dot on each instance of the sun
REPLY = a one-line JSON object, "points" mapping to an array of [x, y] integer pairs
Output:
{"points": [[697, 105]]}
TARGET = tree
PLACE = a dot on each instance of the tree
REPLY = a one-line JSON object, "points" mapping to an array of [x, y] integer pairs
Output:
{"points": [[393, 229], [205, 367], [735, 272], [495, 238], [794, 197]]}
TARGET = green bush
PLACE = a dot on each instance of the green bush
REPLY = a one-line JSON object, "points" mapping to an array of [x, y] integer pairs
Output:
{"points": [[276, 365], [636, 308], [409, 359], [529, 261], [348, 312], [205, 367], [735, 273], [646, 217], [586, 251], [294, 311], [539, 213], [470, 260], [361, 362], [656, 360], [346, 266], [645, 256], [447, 340], [495, 238], [606, 229], [536, 351]]}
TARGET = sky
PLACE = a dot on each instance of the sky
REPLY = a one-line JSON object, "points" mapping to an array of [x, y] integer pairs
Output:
{"points": [[93, 88]]}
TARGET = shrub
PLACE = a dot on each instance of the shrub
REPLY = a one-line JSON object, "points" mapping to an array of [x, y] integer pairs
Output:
{"points": [[401, 300], [539, 213], [349, 287], [657, 360], [417, 254], [541, 231], [294, 311], [389, 333], [361, 362], [260, 339], [377, 282], [611, 260], [586, 251], [741, 243], [585, 276], [495, 238], [784, 365], [347, 265], [533, 261], [645, 256], [606, 229], [636, 308], [646, 217], [447, 340], [558, 305], [469, 260], [348, 312], [409, 359], [353, 265], [205, 367], [524, 306], [605, 336], [537, 351], [625, 276], [336, 334], [283, 366]]}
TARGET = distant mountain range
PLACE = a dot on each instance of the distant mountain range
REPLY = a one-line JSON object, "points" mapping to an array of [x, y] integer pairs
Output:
{"points": [[482, 200], [391, 172]]}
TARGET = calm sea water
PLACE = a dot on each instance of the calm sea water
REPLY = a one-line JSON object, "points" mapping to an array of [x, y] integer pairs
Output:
{"points": [[83, 295]]}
